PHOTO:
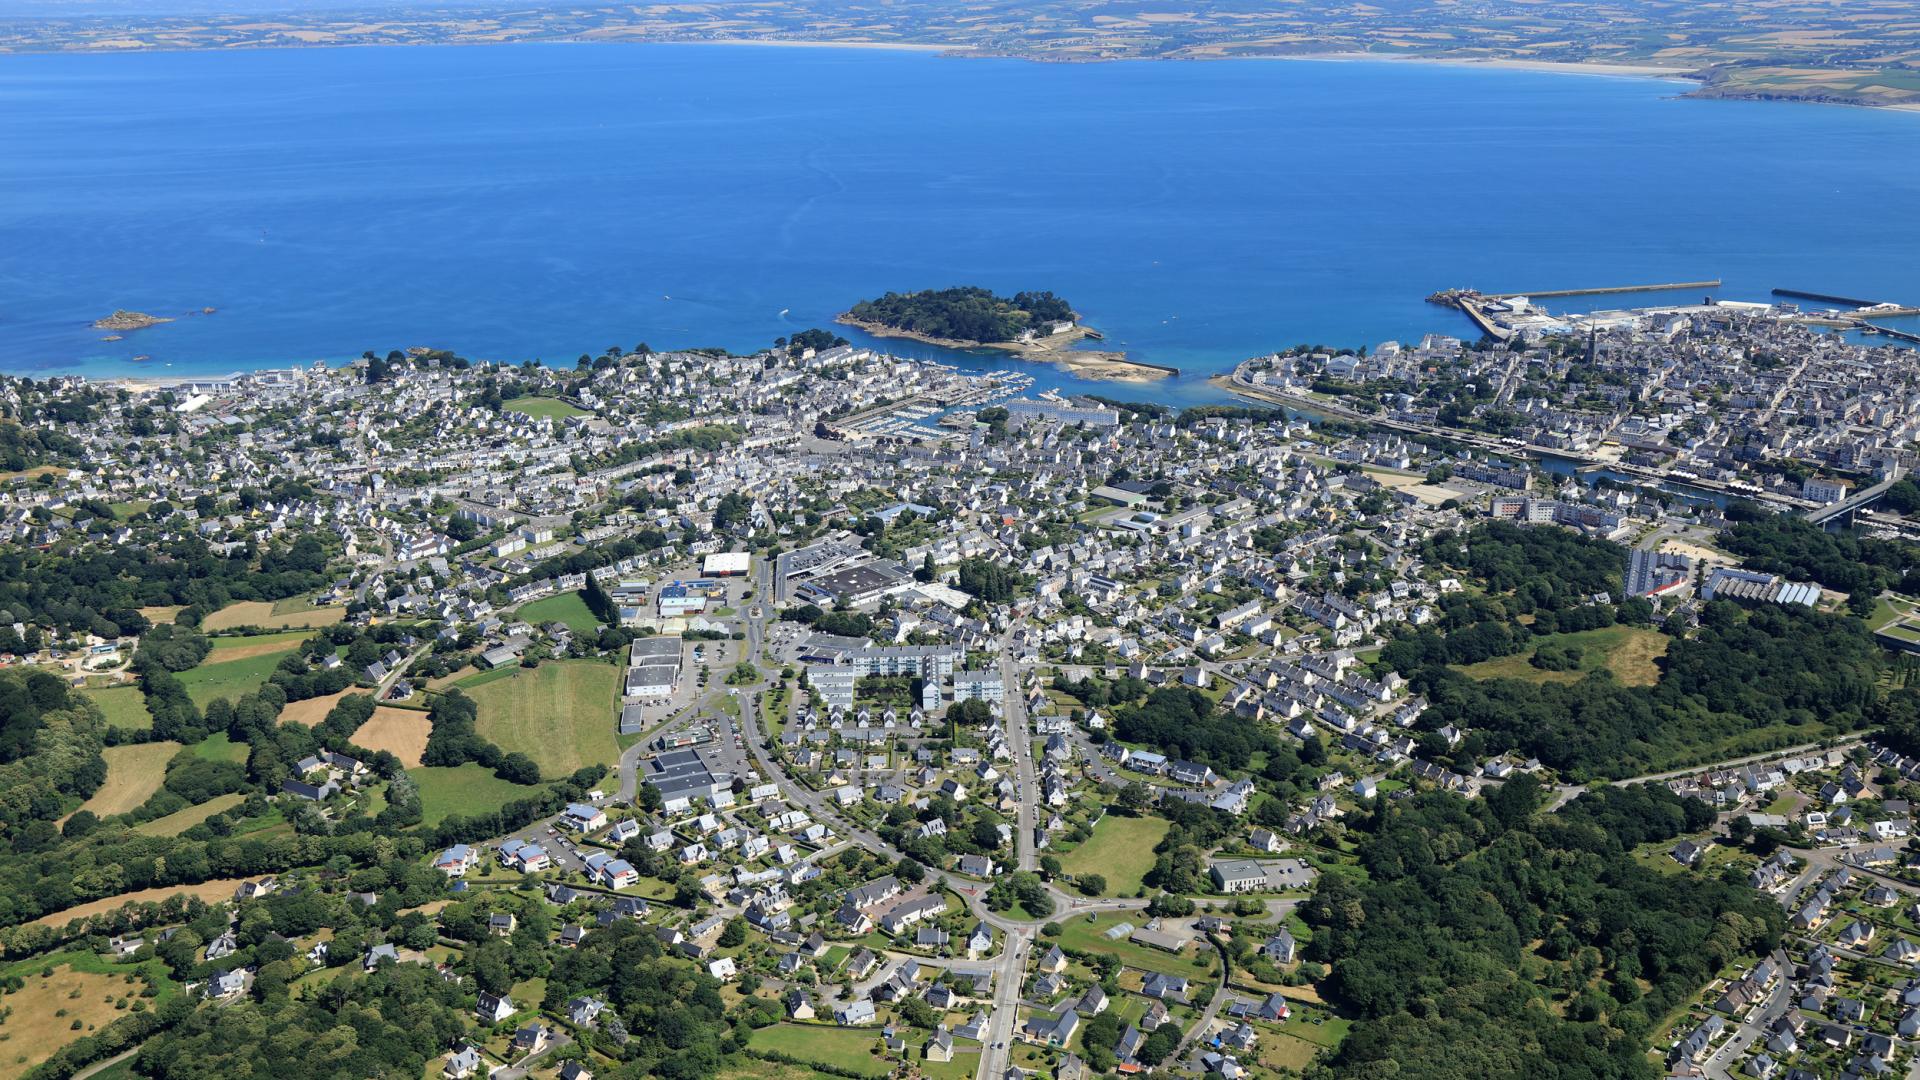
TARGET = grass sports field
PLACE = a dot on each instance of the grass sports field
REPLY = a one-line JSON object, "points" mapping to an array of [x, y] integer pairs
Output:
{"points": [[568, 608], [134, 773], [1120, 850], [123, 706], [543, 408], [1630, 652], [558, 714], [238, 665], [464, 790], [845, 1048], [290, 613]]}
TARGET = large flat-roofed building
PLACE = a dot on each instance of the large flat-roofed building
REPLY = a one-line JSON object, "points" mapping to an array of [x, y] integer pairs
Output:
{"points": [[1656, 573], [854, 586], [1123, 496], [726, 564], [831, 648], [652, 681], [654, 650], [677, 600], [684, 777], [792, 568], [1238, 875], [1730, 584], [653, 667]]}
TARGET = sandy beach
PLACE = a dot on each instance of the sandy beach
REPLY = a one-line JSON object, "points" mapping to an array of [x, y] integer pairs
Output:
{"points": [[1053, 349], [143, 383], [1617, 71]]}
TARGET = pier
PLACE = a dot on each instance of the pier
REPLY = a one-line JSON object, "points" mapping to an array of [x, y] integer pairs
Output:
{"points": [[1468, 301], [1665, 286], [1888, 331], [1828, 298]]}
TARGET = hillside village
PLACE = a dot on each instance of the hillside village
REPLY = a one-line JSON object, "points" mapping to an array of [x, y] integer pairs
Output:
{"points": [[691, 714]]}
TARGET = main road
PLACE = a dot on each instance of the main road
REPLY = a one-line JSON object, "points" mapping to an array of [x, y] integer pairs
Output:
{"points": [[1020, 741]]}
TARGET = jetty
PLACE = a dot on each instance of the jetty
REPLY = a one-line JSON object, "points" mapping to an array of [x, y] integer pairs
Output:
{"points": [[1888, 331], [1468, 301], [1604, 290], [1828, 298]]}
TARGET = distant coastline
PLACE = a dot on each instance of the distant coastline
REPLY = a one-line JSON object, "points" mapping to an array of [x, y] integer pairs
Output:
{"points": [[1549, 67], [817, 43]]}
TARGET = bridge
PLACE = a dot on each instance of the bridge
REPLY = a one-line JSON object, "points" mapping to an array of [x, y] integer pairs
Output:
{"points": [[1840, 515]]}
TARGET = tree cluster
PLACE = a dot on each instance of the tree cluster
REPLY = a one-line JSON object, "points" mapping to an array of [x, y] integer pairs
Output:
{"points": [[966, 313], [1489, 944]]}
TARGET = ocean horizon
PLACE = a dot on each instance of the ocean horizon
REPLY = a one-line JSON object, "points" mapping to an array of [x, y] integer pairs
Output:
{"points": [[522, 202]]}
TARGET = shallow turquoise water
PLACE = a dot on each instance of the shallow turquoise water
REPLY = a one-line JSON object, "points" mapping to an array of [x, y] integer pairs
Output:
{"points": [[548, 200]]}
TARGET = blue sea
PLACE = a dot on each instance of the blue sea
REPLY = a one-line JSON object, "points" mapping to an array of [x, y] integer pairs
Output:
{"points": [[543, 201]]}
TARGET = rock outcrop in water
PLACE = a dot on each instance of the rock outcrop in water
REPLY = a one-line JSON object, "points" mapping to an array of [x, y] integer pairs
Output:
{"points": [[128, 320]]}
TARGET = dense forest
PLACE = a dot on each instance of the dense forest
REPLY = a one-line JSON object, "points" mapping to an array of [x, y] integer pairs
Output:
{"points": [[101, 591], [1185, 724], [50, 743], [388, 1024], [1487, 942], [967, 313], [664, 1018], [24, 447], [1786, 545], [1531, 569], [1744, 670]]}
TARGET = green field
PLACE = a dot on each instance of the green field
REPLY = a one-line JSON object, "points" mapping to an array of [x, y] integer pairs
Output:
{"points": [[464, 790], [219, 747], [1889, 607], [1076, 932], [1120, 850], [755, 1069], [1631, 653], [559, 714], [468, 682], [543, 408], [134, 772], [285, 639], [237, 666], [181, 820], [845, 1048], [123, 706], [568, 608], [294, 605]]}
